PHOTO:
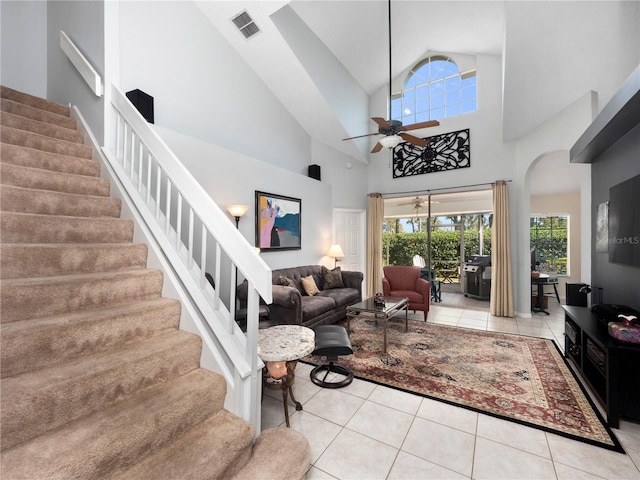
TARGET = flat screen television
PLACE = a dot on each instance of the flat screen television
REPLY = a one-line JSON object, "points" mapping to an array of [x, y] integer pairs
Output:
{"points": [[624, 222]]}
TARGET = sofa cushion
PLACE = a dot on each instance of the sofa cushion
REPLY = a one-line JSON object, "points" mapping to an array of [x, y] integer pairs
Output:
{"points": [[297, 273], [332, 278], [316, 305], [309, 285], [286, 281], [341, 296]]}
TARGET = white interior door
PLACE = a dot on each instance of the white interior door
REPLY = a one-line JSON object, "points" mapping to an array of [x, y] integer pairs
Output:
{"points": [[350, 233]]}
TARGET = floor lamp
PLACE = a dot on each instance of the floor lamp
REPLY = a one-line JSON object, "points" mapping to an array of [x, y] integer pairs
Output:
{"points": [[236, 211], [336, 253]]}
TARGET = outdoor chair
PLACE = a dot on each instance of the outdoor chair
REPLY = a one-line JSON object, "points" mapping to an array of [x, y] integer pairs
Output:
{"points": [[429, 276]]}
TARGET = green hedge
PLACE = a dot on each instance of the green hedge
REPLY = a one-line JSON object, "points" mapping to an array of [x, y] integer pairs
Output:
{"points": [[400, 248]]}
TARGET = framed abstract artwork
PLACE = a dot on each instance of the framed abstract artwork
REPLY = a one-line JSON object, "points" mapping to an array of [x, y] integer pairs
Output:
{"points": [[602, 228], [278, 222]]}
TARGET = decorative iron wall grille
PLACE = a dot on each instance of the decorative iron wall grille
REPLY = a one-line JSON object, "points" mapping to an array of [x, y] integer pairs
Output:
{"points": [[448, 151]]}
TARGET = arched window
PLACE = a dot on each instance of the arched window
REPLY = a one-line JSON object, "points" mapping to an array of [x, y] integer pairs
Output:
{"points": [[435, 88]]}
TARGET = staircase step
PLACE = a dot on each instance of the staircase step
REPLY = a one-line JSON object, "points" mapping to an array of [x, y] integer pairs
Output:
{"points": [[38, 343], [114, 439], [45, 202], [20, 260], [270, 444], [34, 228], [37, 402], [33, 101], [197, 454], [24, 298], [41, 128], [16, 136], [38, 114], [31, 157], [40, 179]]}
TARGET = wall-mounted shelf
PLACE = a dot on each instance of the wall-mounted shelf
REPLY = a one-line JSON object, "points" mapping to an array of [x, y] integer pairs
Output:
{"points": [[616, 119]]}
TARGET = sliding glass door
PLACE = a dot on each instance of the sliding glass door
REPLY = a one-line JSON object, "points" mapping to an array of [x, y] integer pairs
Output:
{"points": [[439, 232]]}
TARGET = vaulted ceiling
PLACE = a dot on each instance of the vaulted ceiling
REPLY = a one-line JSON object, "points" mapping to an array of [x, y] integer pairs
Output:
{"points": [[349, 40], [326, 59]]}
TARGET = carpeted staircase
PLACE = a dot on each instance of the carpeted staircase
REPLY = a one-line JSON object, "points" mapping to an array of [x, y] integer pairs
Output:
{"points": [[97, 379]]}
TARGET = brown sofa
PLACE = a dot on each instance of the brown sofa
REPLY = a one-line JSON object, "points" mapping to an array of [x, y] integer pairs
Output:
{"points": [[292, 305]]}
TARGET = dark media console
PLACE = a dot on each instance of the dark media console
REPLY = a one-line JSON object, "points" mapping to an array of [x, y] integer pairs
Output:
{"points": [[609, 368]]}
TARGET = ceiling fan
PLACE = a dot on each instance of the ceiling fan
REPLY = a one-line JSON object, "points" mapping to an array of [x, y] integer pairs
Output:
{"points": [[393, 130], [417, 203]]}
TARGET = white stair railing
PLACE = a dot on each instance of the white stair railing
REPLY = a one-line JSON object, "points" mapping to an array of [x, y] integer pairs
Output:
{"points": [[197, 237]]}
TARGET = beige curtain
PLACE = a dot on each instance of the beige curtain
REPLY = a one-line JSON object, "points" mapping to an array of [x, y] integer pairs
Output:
{"points": [[501, 304], [374, 244]]}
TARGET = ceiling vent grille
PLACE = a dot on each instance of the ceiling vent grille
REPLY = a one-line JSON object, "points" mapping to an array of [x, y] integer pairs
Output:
{"points": [[245, 24]]}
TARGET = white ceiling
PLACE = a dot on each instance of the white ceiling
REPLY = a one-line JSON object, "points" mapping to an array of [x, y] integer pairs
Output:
{"points": [[444, 204], [549, 50], [357, 32]]}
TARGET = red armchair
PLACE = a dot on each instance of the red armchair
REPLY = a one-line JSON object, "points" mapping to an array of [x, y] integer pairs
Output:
{"points": [[400, 281]]}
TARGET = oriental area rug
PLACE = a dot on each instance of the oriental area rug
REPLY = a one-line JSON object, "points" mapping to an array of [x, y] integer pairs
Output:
{"points": [[516, 378]]}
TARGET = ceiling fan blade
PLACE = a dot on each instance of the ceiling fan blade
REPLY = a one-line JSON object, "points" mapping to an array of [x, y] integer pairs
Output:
{"points": [[421, 142], [416, 202], [416, 126], [377, 148], [360, 136], [382, 123]]}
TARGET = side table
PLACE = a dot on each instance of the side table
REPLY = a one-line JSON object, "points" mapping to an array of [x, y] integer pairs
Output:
{"points": [[539, 281], [285, 343]]}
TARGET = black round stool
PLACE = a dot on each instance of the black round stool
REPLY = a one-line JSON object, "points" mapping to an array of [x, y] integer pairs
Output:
{"points": [[331, 341]]}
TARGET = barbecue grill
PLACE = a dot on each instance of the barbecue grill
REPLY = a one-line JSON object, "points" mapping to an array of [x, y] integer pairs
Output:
{"points": [[477, 277]]}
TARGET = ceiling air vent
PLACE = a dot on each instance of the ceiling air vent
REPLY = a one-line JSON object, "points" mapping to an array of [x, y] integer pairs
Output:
{"points": [[245, 24]]}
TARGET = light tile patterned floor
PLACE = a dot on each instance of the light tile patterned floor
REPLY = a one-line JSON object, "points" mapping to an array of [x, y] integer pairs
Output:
{"points": [[368, 431]]}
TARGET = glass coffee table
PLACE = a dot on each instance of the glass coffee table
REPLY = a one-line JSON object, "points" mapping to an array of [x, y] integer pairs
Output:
{"points": [[368, 309]]}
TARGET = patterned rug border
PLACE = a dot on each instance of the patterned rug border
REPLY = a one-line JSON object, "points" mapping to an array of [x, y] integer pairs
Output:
{"points": [[616, 446]]}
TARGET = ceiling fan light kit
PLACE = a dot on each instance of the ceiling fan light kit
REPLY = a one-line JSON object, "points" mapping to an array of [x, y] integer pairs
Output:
{"points": [[390, 141], [393, 130]]}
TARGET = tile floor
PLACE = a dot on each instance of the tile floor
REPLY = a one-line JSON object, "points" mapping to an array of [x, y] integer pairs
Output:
{"points": [[368, 431]]}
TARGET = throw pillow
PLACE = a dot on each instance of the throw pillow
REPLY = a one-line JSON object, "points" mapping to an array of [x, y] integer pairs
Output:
{"points": [[286, 281], [332, 278], [309, 285]]}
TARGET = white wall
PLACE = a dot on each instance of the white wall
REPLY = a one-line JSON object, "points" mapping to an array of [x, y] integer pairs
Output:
{"points": [[347, 178], [235, 179], [557, 135], [83, 22], [228, 129], [201, 87], [24, 34], [557, 51], [342, 93]]}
